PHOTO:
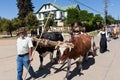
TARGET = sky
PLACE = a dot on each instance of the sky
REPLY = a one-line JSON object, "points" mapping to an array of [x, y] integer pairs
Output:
{"points": [[9, 8]]}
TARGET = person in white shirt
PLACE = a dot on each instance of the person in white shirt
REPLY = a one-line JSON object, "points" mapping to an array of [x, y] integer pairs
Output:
{"points": [[103, 40], [24, 52]]}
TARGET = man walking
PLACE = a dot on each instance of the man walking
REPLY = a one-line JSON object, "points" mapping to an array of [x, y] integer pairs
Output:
{"points": [[24, 51]]}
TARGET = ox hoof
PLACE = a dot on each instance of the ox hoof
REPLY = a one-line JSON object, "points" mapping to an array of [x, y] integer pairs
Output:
{"points": [[96, 54]]}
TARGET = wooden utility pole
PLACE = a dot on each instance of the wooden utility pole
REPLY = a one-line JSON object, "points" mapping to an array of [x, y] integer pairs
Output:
{"points": [[105, 12]]}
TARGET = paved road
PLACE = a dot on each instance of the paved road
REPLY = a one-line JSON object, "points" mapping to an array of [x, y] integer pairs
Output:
{"points": [[104, 67]]}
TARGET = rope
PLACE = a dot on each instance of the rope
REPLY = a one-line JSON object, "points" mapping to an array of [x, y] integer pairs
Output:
{"points": [[37, 43]]}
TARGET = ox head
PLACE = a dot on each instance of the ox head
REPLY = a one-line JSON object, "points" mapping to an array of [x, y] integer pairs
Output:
{"points": [[64, 49]]}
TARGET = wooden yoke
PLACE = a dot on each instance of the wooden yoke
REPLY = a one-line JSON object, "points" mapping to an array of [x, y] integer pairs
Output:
{"points": [[49, 43]]}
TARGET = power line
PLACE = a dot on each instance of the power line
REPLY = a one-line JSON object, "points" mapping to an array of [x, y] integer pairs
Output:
{"points": [[76, 1]]}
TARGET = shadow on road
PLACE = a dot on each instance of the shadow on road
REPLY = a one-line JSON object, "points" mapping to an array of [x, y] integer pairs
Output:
{"points": [[89, 62], [45, 72], [86, 65]]}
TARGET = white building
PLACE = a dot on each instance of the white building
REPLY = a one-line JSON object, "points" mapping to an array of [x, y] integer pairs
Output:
{"points": [[58, 11]]}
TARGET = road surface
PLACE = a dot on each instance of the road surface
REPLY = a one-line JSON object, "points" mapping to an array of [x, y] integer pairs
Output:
{"points": [[103, 67]]}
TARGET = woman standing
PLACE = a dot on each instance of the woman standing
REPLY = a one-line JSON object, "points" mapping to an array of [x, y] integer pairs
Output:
{"points": [[103, 40]]}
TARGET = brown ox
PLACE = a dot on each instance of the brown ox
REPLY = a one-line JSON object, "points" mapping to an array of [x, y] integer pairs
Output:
{"points": [[115, 32], [82, 45]]}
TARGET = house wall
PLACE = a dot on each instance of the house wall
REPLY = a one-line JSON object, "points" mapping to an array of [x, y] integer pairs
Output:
{"points": [[65, 14], [46, 8], [58, 15]]}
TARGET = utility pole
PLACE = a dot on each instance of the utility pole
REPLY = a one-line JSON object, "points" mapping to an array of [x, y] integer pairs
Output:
{"points": [[118, 22], [105, 12]]}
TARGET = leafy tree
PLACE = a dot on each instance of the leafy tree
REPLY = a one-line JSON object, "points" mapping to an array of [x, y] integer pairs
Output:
{"points": [[97, 18], [7, 26], [16, 22], [0, 24], [72, 15], [117, 21], [90, 20], [25, 7], [83, 15], [86, 19], [31, 21], [2, 20], [50, 22], [110, 20], [90, 16]]}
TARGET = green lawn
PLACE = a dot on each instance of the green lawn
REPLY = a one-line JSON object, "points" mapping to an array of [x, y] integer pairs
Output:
{"points": [[94, 33]]}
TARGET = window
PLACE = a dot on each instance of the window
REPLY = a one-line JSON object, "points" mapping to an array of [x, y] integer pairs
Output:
{"points": [[45, 15], [62, 14], [54, 15], [48, 6], [45, 6], [39, 15]]}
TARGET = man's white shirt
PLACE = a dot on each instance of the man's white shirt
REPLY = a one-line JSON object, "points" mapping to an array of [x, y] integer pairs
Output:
{"points": [[23, 45]]}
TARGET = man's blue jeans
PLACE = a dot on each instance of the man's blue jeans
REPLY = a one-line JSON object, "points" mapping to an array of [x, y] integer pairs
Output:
{"points": [[23, 61]]}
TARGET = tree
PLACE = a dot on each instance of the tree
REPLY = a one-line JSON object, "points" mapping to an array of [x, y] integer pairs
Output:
{"points": [[72, 15], [0, 24], [16, 22], [25, 7], [97, 18], [50, 22], [2, 21], [83, 15], [110, 20], [7, 26], [31, 21], [86, 19], [90, 16]]}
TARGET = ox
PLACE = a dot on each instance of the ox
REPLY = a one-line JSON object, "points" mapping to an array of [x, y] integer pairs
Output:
{"points": [[115, 32], [82, 46], [43, 50]]}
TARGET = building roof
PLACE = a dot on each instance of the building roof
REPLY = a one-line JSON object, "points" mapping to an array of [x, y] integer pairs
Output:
{"points": [[60, 7]]}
